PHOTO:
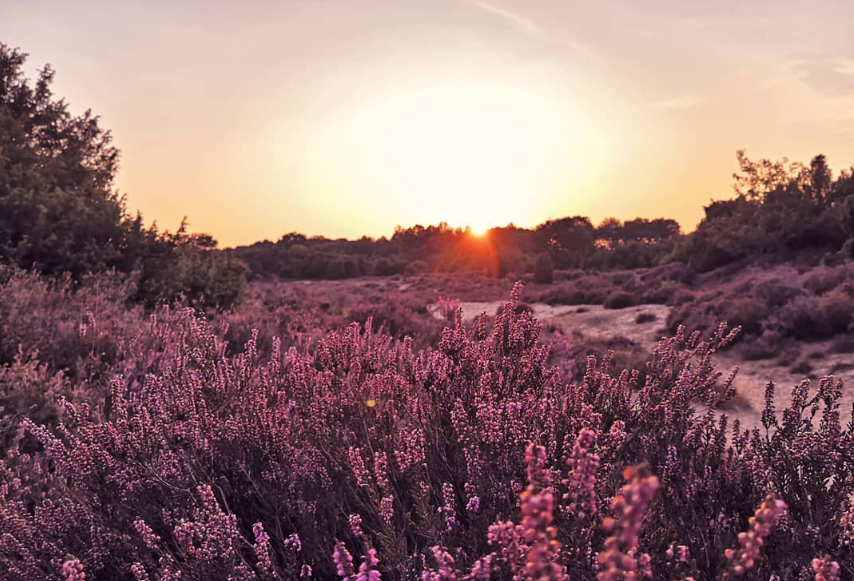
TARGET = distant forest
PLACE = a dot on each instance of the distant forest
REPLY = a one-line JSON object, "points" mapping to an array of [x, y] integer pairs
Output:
{"points": [[781, 211]]}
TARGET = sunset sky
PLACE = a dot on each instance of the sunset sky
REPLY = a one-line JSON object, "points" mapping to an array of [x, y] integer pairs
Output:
{"points": [[348, 117]]}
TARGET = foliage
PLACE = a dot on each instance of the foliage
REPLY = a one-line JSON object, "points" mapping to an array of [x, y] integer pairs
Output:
{"points": [[60, 213], [780, 210], [543, 269]]}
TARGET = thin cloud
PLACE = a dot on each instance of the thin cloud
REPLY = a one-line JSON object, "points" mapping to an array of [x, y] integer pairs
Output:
{"points": [[832, 76], [530, 28]]}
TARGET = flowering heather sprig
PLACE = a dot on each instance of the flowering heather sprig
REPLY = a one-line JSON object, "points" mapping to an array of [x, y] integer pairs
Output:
{"points": [[358, 466], [261, 547], [387, 509], [343, 561], [368, 568], [473, 505], [751, 541], [139, 572], [825, 569], [305, 571], [617, 561], [148, 536], [355, 522], [537, 505], [381, 471], [293, 543], [410, 450], [447, 509], [445, 563], [581, 481], [72, 570]]}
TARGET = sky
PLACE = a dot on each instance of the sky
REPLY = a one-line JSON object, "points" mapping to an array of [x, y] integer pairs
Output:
{"points": [[346, 118]]}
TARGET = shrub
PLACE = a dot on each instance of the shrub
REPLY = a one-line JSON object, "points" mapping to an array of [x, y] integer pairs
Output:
{"points": [[619, 300], [776, 293], [645, 318], [747, 313], [819, 317]]}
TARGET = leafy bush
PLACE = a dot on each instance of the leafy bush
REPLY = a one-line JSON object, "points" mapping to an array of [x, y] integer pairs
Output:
{"points": [[645, 318], [819, 317], [619, 300]]}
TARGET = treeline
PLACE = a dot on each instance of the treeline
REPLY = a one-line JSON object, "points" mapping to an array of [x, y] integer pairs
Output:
{"points": [[782, 210], [60, 212], [572, 242]]}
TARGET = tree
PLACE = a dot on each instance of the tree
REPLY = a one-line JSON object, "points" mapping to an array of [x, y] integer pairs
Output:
{"points": [[569, 240], [58, 209], [543, 269], [60, 212]]}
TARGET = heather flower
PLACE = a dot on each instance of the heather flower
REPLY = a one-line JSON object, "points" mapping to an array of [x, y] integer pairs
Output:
{"points": [[356, 524], [581, 482], [381, 471], [293, 543], [537, 504], [151, 540], [448, 507], [368, 570], [618, 560], [139, 572], [751, 541], [343, 561], [825, 569], [358, 466], [305, 571], [387, 509], [261, 547], [473, 505], [445, 570], [72, 570]]}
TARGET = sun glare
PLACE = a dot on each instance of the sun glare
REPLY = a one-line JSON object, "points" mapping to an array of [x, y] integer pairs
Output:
{"points": [[466, 155], [478, 229]]}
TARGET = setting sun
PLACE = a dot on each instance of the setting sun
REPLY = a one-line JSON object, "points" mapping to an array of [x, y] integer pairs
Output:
{"points": [[478, 229], [465, 152]]}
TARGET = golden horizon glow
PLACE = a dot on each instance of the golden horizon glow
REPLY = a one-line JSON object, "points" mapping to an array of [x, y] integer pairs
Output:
{"points": [[479, 230], [462, 153]]}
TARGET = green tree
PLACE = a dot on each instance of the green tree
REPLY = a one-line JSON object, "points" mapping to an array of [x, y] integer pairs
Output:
{"points": [[58, 209], [60, 212]]}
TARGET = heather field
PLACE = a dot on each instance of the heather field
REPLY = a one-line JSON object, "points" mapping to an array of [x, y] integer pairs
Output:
{"points": [[382, 427], [461, 378]]}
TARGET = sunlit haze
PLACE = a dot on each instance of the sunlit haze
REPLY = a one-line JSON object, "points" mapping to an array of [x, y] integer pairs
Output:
{"points": [[346, 117]]}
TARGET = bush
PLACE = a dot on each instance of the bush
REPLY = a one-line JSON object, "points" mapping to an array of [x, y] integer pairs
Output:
{"points": [[619, 300], [645, 318], [747, 313], [818, 317]]}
